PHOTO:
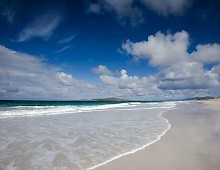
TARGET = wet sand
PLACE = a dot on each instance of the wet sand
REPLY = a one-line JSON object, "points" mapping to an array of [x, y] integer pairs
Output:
{"points": [[192, 143]]}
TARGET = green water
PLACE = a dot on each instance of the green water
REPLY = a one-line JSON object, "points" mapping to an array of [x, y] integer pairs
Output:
{"points": [[11, 103]]}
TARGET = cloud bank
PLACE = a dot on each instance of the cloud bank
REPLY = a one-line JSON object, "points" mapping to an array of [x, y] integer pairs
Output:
{"points": [[179, 69], [23, 76], [181, 74]]}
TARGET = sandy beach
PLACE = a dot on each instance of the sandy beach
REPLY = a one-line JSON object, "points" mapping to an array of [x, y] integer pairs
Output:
{"points": [[213, 104], [192, 143]]}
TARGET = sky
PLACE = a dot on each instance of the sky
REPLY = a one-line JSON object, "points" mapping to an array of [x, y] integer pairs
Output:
{"points": [[86, 49]]}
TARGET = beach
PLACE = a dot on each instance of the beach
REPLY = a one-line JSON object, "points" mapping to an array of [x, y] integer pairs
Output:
{"points": [[130, 136], [192, 143]]}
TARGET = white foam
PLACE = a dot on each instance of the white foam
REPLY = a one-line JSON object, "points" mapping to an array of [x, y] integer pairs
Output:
{"points": [[135, 103], [134, 150], [28, 111]]}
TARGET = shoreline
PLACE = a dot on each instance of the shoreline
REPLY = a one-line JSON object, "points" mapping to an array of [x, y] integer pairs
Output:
{"points": [[189, 150], [138, 149]]}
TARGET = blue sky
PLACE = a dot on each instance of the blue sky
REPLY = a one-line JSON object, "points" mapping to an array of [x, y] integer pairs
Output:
{"points": [[136, 49]]}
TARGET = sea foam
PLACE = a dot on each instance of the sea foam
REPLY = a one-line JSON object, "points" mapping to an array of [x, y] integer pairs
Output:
{"points": [[78, 137]]}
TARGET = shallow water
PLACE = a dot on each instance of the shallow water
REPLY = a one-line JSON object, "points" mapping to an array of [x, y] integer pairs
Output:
{"points": [[62, 138]]}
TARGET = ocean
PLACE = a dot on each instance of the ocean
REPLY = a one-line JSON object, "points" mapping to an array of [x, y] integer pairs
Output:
{"points": [[76, 135]]}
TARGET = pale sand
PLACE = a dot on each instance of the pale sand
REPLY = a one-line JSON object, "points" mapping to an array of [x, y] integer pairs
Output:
{"points": [[192, 143], [213, 104]]}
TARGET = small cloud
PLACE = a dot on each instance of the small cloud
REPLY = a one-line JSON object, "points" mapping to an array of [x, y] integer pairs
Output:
{"points": [[124, 81], [101, 69], [167, 7], [94, 8], [43, 26], [67, 39], [9, 9], [62, 49], [66, 79], [9, 15]]}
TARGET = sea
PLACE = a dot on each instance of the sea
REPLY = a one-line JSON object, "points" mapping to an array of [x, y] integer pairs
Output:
{"points": [[76, 134]]}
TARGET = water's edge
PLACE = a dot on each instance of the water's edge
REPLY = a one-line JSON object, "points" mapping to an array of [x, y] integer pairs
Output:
{"points": [[138, 149]]}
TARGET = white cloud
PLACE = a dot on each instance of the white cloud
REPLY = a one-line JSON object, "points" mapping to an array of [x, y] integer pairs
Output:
{"points": [[165, 49], [182, 75], [132, 87], [216, 69], [187, 75], [43, 26], [208, 53], [101, 69], [124, 81], [62, 49], [160, 49], [66, 79], [23, 76], [67, 39], [178, 68], [167, 84]]}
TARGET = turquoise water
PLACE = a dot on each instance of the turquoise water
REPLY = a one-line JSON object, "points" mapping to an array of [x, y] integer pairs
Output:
{"points": [[76, 135], [9, 103]]}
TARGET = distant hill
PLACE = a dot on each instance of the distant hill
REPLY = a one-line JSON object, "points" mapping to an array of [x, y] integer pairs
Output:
{"points": [[113, 99], [203, 98]]}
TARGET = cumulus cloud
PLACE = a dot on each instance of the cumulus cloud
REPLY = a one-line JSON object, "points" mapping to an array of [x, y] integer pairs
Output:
{"points": [[159, 49], [179, 69], [165, 49], [124, 81], [208, 53], [216, 69], [187, 75], [129, 8], [132, 87], [180, 74], [23, 76], [101, 69], [145, 88], [43, 26]]}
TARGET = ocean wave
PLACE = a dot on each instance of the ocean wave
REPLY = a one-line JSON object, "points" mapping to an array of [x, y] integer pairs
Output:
{"points": [[28, 111]]}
